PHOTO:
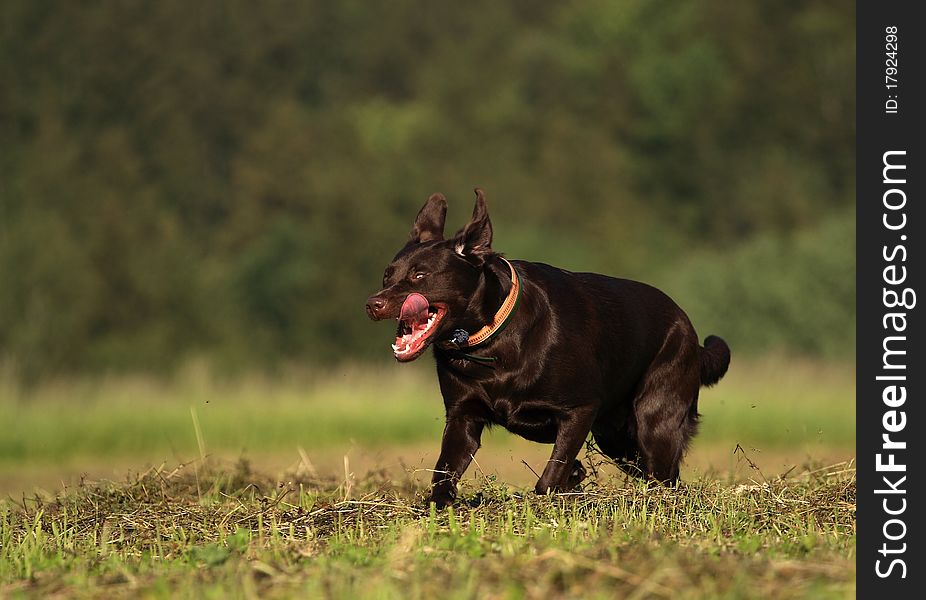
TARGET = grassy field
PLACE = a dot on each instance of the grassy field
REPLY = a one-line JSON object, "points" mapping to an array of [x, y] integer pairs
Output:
{"points": [[199, 532], [328, 497], [780, 412]]}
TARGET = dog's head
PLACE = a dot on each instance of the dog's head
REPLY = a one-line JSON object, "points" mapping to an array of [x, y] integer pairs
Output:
{"points": [[441, 277]]}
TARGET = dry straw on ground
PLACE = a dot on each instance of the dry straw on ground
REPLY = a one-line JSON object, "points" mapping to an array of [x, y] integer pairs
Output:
{"points": [[203, 529]]}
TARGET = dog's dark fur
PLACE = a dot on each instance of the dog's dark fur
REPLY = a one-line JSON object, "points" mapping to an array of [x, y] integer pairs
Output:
{"points": [[582, 353]]}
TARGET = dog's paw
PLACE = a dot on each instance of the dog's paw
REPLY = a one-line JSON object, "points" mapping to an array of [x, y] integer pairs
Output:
{"points": [[475, 500], [576, 476], [440, 500]]}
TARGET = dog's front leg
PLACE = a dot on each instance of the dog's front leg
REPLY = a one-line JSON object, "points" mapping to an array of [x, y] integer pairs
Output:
{"points": [[572, 432], [459, 444]]}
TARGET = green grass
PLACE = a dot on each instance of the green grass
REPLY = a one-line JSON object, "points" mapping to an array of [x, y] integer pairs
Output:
{"points": [[764, 405], [205, 532], [208, 531]]}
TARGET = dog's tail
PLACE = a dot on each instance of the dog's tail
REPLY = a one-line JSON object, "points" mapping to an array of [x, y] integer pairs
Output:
{"points": [[715, 358]]}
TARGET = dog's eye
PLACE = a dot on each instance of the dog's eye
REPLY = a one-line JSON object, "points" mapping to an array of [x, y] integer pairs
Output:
{"points": [[419, 275]]}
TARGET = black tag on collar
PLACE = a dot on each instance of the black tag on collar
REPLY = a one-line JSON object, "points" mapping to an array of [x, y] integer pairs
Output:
{"points": [[459, 337]]}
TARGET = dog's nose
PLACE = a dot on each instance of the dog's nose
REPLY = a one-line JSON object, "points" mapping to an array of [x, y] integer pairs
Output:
{"points": [[375, 307]]}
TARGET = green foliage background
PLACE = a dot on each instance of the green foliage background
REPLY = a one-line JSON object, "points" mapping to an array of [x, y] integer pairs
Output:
{"points": [[229, 178]]}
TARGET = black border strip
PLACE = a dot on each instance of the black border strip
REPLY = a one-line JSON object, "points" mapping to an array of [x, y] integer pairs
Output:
{"points": [[890, 228]]}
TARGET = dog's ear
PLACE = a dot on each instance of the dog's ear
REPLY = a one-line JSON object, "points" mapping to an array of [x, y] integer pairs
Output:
{"points": [[429, 225], [476, 238]]}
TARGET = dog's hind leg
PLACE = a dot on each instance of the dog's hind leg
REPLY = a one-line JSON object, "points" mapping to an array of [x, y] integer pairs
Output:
{"points": [[559, 473], [665, 424], [665, 409]]}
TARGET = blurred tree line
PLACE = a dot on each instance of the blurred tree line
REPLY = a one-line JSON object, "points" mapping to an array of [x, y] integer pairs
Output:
{"points": [[228, 178]]}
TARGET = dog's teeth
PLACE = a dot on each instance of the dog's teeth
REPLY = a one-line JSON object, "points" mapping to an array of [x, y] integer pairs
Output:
{"points": [[394, 347]]}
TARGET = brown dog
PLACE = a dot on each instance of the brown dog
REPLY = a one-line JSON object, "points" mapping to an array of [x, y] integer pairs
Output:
{"points": [[548, 354]]}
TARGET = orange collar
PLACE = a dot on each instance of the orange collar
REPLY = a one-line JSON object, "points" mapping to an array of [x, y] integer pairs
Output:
{"points": [[499, 321]]}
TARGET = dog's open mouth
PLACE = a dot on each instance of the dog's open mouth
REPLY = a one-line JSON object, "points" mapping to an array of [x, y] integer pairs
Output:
{"points": [[418, 322]]}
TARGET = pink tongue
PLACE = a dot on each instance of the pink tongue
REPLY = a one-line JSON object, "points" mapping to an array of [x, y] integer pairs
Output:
{"points": [[414, 310]]}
